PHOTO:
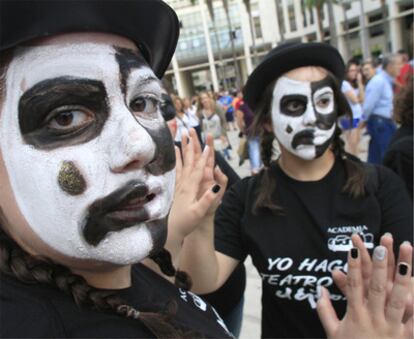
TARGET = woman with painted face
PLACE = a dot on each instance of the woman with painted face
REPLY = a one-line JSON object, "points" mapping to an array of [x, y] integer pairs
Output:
{"points": [[87, 168], [298, 217]]}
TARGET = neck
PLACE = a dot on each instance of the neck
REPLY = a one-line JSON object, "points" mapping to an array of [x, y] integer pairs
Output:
{"points": [[306, 170], [117, 278]]}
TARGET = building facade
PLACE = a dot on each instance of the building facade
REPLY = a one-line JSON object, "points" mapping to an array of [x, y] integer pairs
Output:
{"points": [[218, 49]]}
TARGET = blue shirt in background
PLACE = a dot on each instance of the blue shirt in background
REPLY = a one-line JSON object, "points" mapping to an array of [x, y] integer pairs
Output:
{"points": [[379, 96]]}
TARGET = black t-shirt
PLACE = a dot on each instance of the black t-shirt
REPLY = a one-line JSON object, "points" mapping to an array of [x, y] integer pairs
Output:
{"points": [[41, 311], [298, 250], [399, 156]]}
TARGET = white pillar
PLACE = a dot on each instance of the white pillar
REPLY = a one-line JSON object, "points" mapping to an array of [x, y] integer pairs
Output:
{"points": [[299, 18], [246, 34], [395, 27], [285, 17], [210, 55], [177, 76]]}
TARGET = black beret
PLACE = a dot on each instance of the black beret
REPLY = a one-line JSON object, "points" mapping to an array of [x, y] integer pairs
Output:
{"points": [[286, 57], [151, 24]]}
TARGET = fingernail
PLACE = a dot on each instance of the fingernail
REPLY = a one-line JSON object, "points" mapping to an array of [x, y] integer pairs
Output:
{"points": [[216, 188], [206, 148], [380, 253], [387, 234], [402, 268], [354, 253], [406, 242]]}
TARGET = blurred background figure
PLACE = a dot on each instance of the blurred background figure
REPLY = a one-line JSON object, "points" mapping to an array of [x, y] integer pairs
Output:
{"points": [[378, 107], [190, 110], [399, 155], [226, 101], [368, 70], [405, 72], [244, 118], [353, 89], [182, 120], [213, 122]]}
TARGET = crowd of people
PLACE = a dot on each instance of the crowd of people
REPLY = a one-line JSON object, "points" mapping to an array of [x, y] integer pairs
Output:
{"points": [[109, 230]]}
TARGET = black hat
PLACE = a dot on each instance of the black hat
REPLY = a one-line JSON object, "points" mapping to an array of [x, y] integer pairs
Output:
{"points": [[289, 56], [151, 24]]}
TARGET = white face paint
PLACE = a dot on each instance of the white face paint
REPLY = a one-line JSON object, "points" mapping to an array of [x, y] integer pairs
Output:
{"points": [[115, 152], [303, 116]]}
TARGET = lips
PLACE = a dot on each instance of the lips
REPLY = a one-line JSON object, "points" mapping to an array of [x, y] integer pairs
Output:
{"points": [[305, 137], [123, 208]]}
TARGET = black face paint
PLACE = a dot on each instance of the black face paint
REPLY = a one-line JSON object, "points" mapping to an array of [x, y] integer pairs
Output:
{"points": [[70, 179], [53, 98], [324, 121], [320, 149], [127, 60], [305, 137], [293, 105], [112, 213], [289, 129], [164, 158]]}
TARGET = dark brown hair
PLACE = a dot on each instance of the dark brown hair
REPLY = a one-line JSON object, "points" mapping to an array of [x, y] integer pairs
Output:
{"points": [[16, 262], [355, 174], [403, 104]]}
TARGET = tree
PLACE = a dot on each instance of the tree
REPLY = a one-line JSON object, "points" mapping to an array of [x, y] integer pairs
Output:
{"points": [[318, 5]]}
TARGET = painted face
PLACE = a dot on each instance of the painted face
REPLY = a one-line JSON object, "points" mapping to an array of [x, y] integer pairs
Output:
{"points": [[304, 116], [89, 157]]}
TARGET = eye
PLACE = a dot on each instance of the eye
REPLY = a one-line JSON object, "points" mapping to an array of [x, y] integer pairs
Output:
{"points": [[323, 102], [148, 105], [70, 118]]}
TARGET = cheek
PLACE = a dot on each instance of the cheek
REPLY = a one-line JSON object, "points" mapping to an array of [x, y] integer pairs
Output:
{"points": [[70, 179]]}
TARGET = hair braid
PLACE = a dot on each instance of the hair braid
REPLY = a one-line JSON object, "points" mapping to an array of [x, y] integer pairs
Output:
{"points": [[163, 260], [355, 174], [16, 262], [267, 181]]}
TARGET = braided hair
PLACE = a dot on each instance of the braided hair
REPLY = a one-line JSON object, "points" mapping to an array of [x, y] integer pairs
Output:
{"points": [[354, 170], [16, 262]]}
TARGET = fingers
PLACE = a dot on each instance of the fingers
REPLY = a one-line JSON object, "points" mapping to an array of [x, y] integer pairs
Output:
{"points": [[387, 241], [209, 198], [394, 310], [326, 312], [187, 148], [377, 291], [220, 177], [211, 158], [365, 257], [178, 163], [196, 143], [198, 170], [354, 284], [339, 278]]}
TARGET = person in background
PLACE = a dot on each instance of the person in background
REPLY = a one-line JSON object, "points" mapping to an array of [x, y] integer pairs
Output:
{"points": [[182, 120], [353, 89], [378, 107], [226, 101], [213, 122], [368, 71], [405, 73], [190, 111], [399, 155], [244, 118]]}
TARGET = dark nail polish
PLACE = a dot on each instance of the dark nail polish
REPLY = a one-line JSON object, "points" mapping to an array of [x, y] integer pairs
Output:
{"points": [[216, 188], [354, 253], [402, 269]]}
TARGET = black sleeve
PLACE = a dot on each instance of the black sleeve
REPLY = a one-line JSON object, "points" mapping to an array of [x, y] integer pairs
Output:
{"points": [[228, 235], [396, 207]]}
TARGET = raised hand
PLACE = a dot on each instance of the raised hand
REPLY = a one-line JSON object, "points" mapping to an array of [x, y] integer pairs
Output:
{"points": [[199, 186], [374, 316]]}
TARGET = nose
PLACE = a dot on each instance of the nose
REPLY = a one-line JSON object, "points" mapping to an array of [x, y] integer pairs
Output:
{"points": [[309, 117], [132, 147]]}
